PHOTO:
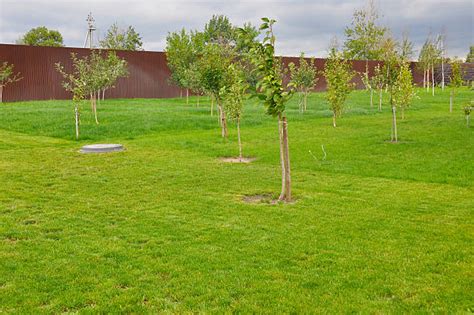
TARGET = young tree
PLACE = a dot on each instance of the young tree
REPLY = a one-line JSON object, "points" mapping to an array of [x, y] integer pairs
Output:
{"points": [[406, 48], [338, 73], [113, 68], [441, 48], [368, 84], [213, 67], [378, 82], [304, 79], [7, 76], [470, 55], [233, 98], [467, 113], [219, 31], [455, 81], [275, 95], [180, 55], [121, 39], [364, 35], [391, 69], [74, 82], [41, 36], [404, 89]]}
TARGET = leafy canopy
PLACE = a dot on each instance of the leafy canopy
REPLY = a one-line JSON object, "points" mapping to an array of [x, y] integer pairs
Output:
{"points": [[41, 36], [122, 39]]}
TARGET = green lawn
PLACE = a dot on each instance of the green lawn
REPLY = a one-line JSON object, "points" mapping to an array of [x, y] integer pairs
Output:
{"points": [[376, 227]]}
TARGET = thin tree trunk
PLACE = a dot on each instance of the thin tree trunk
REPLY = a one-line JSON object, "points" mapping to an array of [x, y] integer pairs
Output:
{"points": [[371, 98], [282, 159], [180, 93], [306, 100], [103, 94], [238, 139], [1, 94], [187, 96], [380, 100], [94, 106], [394, 124], [428, 80], [424, 78], [432, 78], [451, 102], [334, 120], [286, 152], [442, 73], [76, 116], [223, 121]]}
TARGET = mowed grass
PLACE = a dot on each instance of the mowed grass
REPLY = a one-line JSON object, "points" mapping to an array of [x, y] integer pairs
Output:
{"points": [[376, 227]]}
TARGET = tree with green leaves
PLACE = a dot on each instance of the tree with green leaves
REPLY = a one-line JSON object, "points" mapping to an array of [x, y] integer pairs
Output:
{"points": [[76, 84], [470, 55], [404, 89], [274, 94], [112, 68], [467, 113], [455, 81], [7, 76], [233, 97], [338, 74], [391, 68], [220, 31], [377, 81], [364, 35], [122, 39], [406, 47], [304, 79], [42, 36], [213, 66], [180, 54]]}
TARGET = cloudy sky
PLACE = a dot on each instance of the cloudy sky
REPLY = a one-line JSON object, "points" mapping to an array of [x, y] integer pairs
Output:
{"points": [[302, 25]]}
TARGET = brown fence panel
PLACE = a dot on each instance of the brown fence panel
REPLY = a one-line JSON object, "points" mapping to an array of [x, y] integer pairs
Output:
{"points": [[148, 73]]}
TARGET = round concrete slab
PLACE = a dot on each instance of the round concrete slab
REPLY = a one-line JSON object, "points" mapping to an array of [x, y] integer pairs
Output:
{"points": [[101, 148]]}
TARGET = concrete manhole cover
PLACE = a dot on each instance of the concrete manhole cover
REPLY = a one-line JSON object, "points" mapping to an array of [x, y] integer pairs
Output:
{"points": [[101, 148]]}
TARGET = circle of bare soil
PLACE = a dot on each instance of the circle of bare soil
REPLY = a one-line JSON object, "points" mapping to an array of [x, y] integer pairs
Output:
{"points": [[264, 199], [237, 159]]}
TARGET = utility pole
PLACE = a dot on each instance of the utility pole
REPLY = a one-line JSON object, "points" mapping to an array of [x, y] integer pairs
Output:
{"points": [[91, 28]]}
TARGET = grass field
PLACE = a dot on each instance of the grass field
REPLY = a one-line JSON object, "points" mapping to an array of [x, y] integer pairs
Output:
{"points": [[376, 227]]}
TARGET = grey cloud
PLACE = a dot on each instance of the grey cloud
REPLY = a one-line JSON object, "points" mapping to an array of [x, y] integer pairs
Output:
{"points": [[302, 25]]}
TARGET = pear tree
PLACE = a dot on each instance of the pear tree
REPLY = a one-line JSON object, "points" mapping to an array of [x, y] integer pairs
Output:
{"points": [[7, 76]]}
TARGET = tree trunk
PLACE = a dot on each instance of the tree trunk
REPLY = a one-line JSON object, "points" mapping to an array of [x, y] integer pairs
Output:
{"points": [[94, 106], [187, 96], [451, 102], [424, 78], [103, 94], [305, 100], [286, 176], [223, 120], [432, 78], [428, 80], [282, 158], [238, 139], [371, 98], [334, 120], [394, 124], [180, 93], [380, 100], [76, 116], [442, 74], [1, 94]]}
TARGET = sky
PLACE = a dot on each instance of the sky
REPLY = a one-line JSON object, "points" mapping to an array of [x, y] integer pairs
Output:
{"points": [[302, 26]]}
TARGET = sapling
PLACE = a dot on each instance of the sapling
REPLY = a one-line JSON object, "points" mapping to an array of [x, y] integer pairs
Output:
{"points": [[271, 90], [455, 81], [233, 97], [304, 79], [378, 82], [367, 81], [404, 89], [7, 76], [338, 73], [467, 113]]}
